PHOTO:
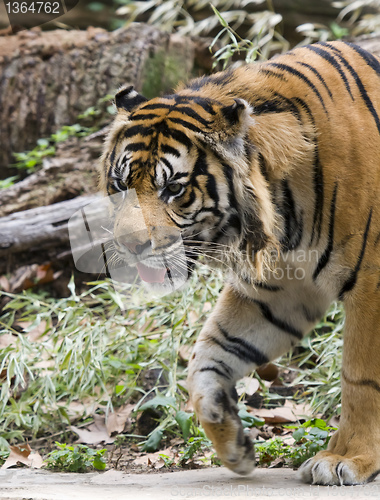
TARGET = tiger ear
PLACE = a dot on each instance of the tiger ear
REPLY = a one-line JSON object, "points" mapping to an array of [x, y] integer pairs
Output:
{"points": [[236, 112], [128, 99]]}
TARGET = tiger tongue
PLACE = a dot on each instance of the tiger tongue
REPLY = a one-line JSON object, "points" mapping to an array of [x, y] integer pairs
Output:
{"points": [[149, 274]]}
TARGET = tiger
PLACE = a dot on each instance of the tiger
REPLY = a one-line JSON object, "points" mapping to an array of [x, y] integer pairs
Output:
{"points": [[270, 170]]}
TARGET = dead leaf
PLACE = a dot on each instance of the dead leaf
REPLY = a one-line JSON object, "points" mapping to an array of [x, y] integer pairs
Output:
{"points": [[29, 276], [79, 409], [154, 460], [276, 415], [247, 385], [119, 421], [4, 284], [95, 433], [6, 340], [36, 332], [23, 454]]}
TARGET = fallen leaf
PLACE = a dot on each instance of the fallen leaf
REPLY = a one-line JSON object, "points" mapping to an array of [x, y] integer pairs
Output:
{"points": [[276, 415], [95, 433], [23, 454], [6, 340], [247, 385], [154, 460], [119, 421], [4, 284], [79, 409], [36, 332]]}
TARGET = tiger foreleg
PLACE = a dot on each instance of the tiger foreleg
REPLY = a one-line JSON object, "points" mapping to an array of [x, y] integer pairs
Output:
{"points": [[353, 455], [233, 342]]}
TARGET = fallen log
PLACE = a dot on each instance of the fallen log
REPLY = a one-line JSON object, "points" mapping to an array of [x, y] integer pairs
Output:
{"points": [[38, 234]]}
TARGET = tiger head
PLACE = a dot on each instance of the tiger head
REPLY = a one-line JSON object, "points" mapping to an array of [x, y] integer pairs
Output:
{"points": [[188, 184]]}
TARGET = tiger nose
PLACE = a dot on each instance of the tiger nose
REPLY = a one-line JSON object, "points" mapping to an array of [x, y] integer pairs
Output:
{"points": [[135, 247]]}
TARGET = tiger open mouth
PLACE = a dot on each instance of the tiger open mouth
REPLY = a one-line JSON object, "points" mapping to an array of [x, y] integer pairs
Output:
{"points": [[152, 274]]}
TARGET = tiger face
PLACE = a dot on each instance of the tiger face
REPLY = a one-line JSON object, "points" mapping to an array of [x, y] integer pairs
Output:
{"points": [[184, 171]]}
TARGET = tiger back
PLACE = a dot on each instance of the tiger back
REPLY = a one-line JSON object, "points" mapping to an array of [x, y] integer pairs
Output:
{"points": [[270, 170]]}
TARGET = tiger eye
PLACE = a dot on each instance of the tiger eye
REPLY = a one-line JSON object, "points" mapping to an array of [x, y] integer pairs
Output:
{"points": [[174, 188]]}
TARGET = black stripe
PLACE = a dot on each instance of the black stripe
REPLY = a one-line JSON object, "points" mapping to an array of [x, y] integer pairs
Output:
{"points": [[166, 162], [225, 367], [212, 189], [330, 242], [137, 146], [245, 349], [266, 286], [190, 201], [185, 124], [229, 175], [204, 103], [157, 105], [351, 281], [271, 106], [216, 370], [145, 116], [277, 322], [302, 77], [178, 136], [319, 76], [137, 129], [369, 58], [268, 72], [366, 382], [263, 168], [293, 223], [181, 226], [190, 112], [166, 149], [327, 56], [319, 197], [317, 179], [293, 105], [360, 86]]}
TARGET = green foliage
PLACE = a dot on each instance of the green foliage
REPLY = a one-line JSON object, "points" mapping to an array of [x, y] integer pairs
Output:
{"points": [[194, 445], [4, 454], [319, 365], [8, 182], [92, 349], [262, 39], [247, 419], [309, 438], [30, 160], [78, 458]]}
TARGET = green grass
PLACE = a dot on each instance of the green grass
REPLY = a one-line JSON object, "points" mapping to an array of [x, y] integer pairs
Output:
{"points": [[92, 350]]}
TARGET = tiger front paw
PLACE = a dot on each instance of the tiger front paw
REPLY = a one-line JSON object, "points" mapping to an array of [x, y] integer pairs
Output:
{"points": [[327, 468], [219, 418]]}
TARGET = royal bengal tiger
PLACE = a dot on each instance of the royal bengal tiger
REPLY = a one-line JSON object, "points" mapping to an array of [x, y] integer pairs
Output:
{"points": [[272, 169]]}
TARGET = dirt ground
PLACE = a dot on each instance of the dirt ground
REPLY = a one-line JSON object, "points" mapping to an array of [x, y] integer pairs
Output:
{"points": [[29, 484]]}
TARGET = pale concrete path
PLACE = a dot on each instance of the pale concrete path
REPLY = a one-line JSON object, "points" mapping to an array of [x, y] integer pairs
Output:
{"points": [[27, 484]]}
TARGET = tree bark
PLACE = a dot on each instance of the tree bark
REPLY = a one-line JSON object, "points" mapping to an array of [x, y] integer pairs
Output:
{"points": [[40, 232], [70, 173], [48, 78]]}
